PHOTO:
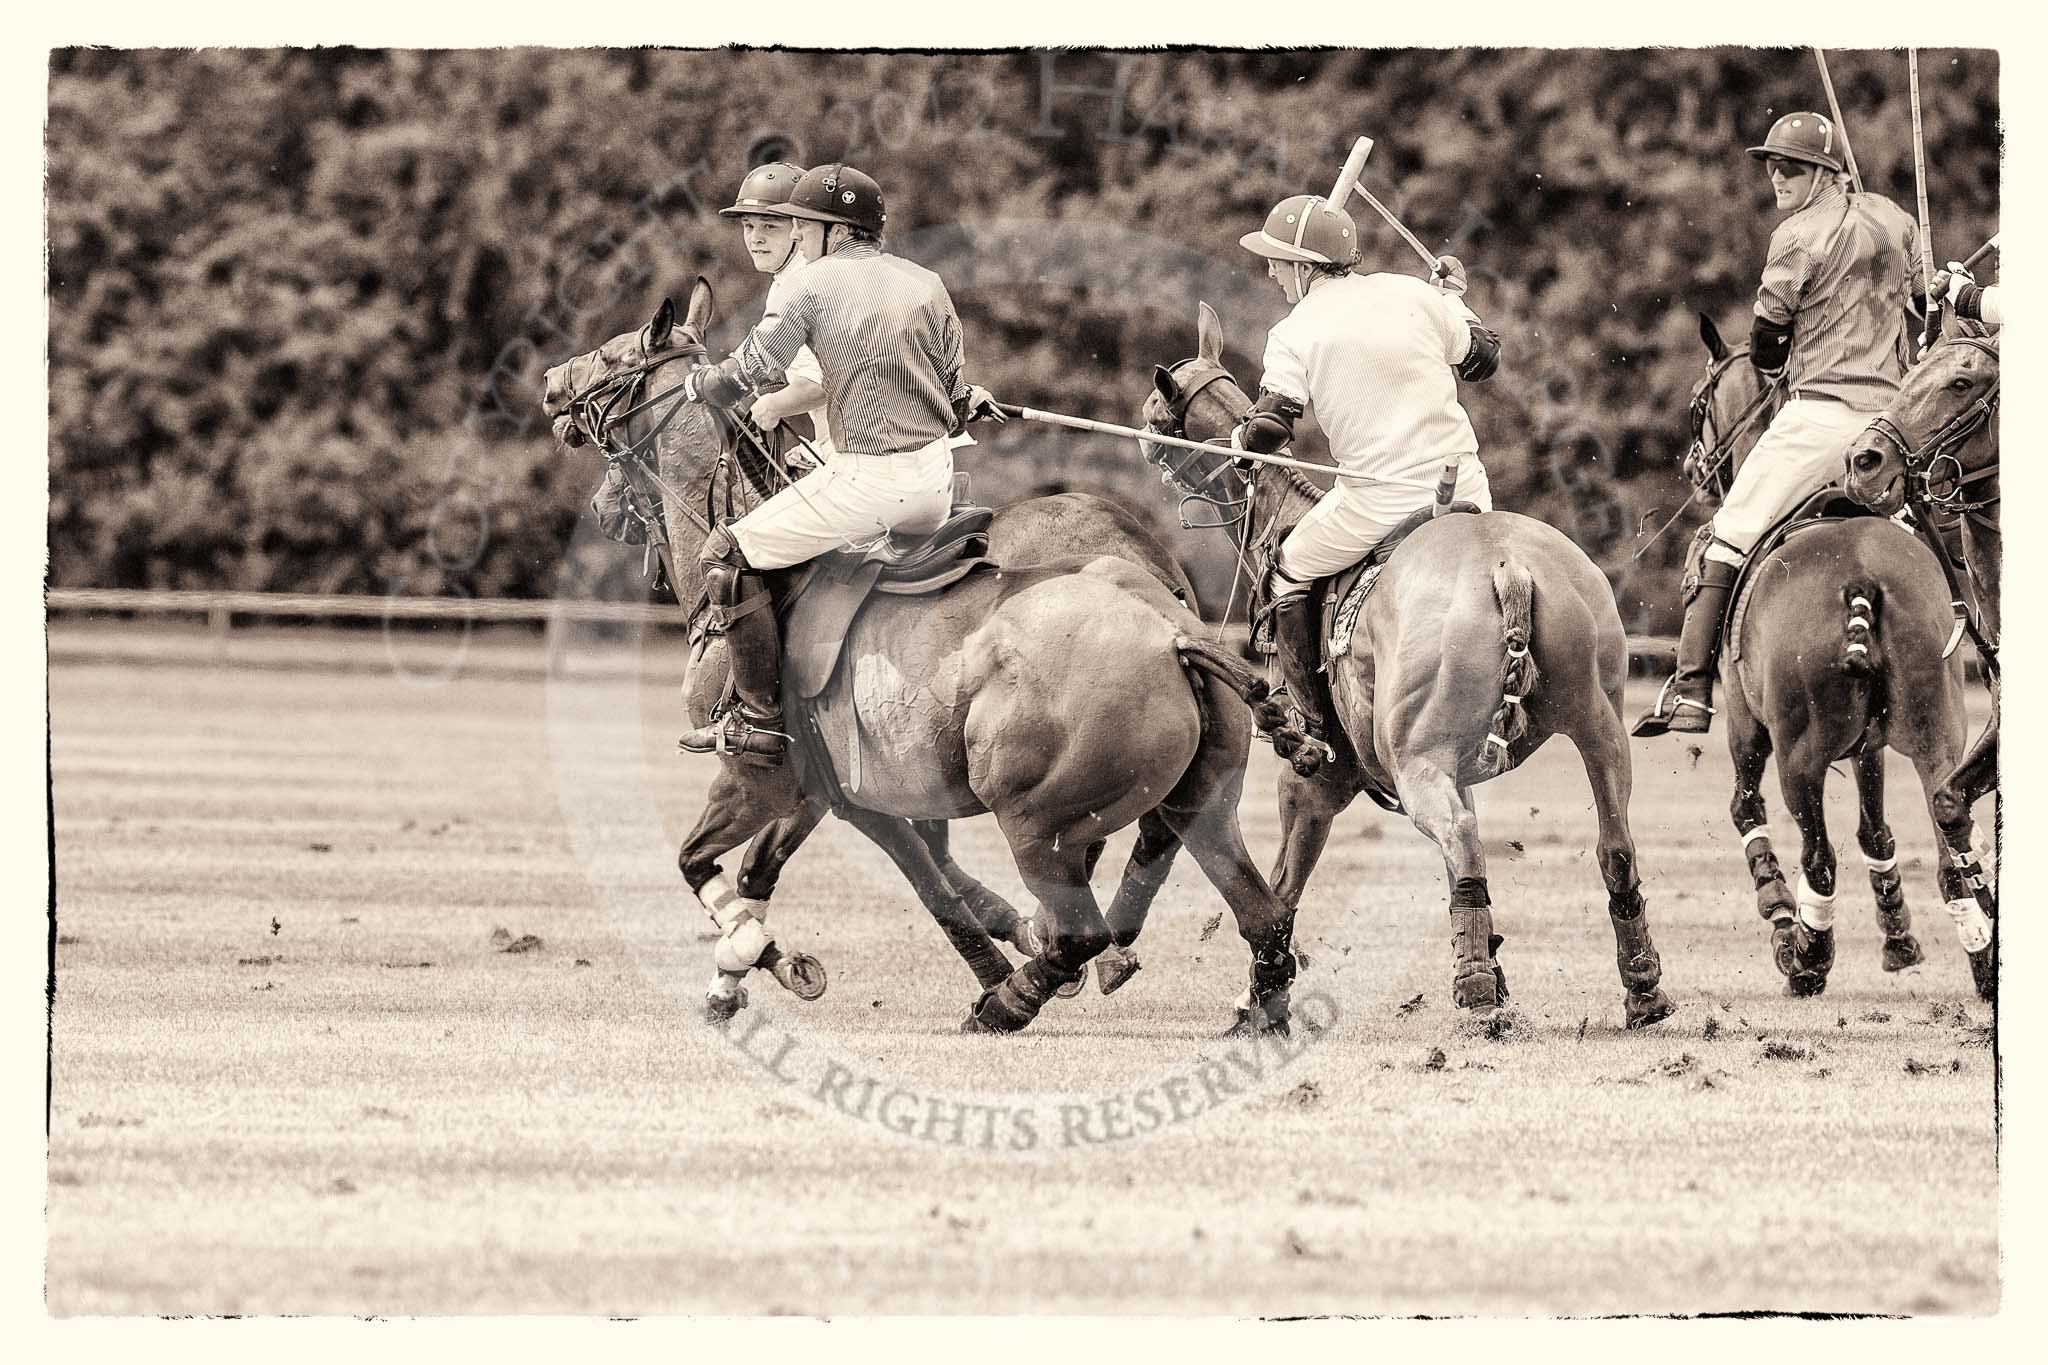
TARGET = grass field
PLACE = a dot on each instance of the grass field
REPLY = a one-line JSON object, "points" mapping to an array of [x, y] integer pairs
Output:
{"points": [[296, 1070]]}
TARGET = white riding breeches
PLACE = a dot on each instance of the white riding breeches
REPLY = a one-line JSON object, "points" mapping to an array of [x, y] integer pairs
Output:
{"points": [[1805, 449], [1344, 526], [848, 503]]}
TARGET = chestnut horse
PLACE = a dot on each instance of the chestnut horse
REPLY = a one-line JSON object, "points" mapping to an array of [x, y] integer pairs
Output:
{"points": [[1069, 699], [1836, 652], [1486, 635]]}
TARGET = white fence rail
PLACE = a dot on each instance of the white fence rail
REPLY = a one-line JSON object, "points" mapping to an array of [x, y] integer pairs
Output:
{"points": [[221, 608]]}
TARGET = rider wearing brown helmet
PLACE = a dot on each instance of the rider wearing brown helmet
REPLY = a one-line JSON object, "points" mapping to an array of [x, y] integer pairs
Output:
{"points": [[888, 345], [1831, 326]]}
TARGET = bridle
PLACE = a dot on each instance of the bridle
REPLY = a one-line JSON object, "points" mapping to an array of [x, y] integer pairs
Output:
{"points": [[1710, 462], [1177, 472], [601, 410], [1934, 473]]}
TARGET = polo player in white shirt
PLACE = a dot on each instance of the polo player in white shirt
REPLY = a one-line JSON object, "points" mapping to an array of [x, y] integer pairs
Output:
{"points": [[769, 234], [1379, 357]]}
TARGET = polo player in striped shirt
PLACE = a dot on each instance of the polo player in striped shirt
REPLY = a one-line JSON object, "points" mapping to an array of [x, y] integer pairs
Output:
{"points": [[888, 346]]}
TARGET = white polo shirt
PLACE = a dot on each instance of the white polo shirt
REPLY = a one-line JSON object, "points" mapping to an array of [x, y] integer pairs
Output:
{"points": [[1374, 353]]}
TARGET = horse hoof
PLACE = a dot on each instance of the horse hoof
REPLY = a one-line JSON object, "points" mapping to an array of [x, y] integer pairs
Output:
{"points": [[1902, 952], [1114, 967], [1805, 984], [1250, 1023], [1067, 990], [1650, 1008], [1494, 1023], [802, 975], [719, 1008], [1783, 951], [1481, 989], [974, 1023]]}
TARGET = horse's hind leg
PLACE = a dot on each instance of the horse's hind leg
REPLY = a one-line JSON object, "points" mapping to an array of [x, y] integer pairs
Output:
{"points": [[1309, 807], [1603, 748], [1749, 744], [1431, 797], [1151, 859], [1806, 949], [1881, 854], [1058, 878]]}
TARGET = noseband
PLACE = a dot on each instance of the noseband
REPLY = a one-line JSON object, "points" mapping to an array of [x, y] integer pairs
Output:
{"points": [[1935, 475], [1200, 374]]}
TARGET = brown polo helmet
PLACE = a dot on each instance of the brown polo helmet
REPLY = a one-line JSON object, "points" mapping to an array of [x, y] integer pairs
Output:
{"points": [[838, 194], [765, 190]]}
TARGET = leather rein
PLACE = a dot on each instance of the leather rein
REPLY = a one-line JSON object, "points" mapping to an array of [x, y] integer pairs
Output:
{"points": [[1702, 409]]}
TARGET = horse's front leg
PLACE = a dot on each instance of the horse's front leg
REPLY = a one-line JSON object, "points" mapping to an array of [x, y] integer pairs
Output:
{"points": [[909, 850], [737, 809]]}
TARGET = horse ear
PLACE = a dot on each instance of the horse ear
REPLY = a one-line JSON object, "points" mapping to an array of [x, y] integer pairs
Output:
{"points": [[1168, 386], [1711, 334], [1208, 334], [664, 321], [698, 318]]}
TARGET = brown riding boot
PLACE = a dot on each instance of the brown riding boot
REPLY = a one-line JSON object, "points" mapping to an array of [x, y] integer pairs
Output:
{"points": [[751, 728], [1686, 705], [1301, 657]]}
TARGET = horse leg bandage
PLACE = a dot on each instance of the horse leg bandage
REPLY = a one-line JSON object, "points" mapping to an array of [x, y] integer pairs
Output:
{"points": [[1816, 912], [1973, 926], [745, 921]]}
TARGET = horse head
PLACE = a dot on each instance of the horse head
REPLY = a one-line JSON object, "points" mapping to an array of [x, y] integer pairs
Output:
{"points": [[1197, 400], [1936, 435], [585, 395], [1728, 412]]}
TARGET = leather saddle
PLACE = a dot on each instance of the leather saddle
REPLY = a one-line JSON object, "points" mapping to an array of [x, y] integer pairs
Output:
{"points": [[1829, 504], [819, 604]]}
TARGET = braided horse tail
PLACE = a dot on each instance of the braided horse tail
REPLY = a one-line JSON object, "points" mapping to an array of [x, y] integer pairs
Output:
{"points": [[1516, 592]]}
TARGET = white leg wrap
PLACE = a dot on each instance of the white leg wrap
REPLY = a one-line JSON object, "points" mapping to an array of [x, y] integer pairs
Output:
{"points": [[745, 922], [1749, 837], [1973, 930], [742, 946], [1890, 864], [1816, 912]]}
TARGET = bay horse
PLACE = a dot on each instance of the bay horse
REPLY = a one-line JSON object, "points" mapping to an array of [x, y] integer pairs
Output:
{"points": [[1068, 698], [1836, 651], [1485, 635], [1934, 450]]}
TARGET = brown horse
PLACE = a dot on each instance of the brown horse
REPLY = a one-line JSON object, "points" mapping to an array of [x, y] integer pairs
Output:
{"points": [[1485, 636], [1836, 651], [1935, 449], [1069, 699]]}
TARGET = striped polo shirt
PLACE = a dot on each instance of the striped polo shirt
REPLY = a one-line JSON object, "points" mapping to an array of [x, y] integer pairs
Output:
{"points": [[885, 335], [1840, 271]]}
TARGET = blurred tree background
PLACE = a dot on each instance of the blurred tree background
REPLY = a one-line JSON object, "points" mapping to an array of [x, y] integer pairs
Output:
{"points": [[300, 301]]}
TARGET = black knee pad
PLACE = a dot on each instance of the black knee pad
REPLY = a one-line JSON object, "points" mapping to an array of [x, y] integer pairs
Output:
{"points": [[723, 562]]}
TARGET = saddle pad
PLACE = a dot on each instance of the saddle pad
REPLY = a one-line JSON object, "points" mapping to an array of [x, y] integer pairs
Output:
{"points": [[1344, 620], [818, 620]]}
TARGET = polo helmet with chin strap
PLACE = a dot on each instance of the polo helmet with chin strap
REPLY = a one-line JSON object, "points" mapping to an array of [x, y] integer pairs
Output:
{"points": [[766, 190], [1305, 230], [1804, 136]]}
